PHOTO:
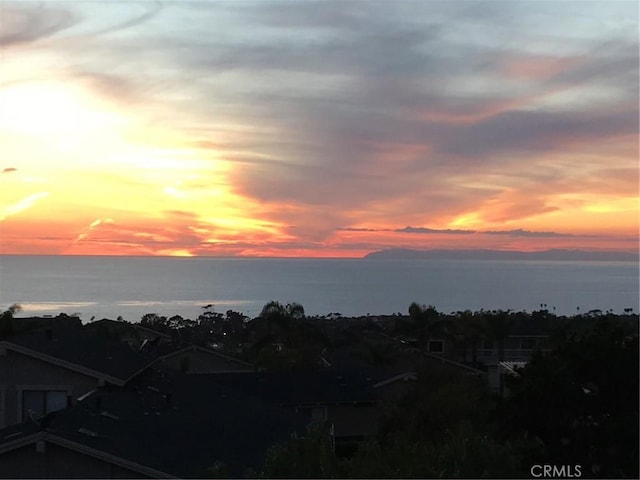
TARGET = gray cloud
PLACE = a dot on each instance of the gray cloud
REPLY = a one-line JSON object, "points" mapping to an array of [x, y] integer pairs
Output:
{"points": [[369, 110], [24, 22], [422, 230], [153, 8], [527, 233]]}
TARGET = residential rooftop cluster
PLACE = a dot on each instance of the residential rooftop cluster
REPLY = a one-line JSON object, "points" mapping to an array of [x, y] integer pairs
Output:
{"points": [[167, 398]]}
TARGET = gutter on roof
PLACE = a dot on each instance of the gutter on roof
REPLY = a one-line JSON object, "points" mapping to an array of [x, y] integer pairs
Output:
{"points": [[21, 442], [101, 455], [194, 348], [315, 404], [402, 376], [457, 364]]}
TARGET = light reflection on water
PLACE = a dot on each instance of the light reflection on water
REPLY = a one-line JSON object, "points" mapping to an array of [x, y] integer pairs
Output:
{"points": [[108, 287]]}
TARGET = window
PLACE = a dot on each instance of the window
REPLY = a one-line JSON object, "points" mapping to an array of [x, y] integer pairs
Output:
{"points": [[436, 346], [38, 403]]}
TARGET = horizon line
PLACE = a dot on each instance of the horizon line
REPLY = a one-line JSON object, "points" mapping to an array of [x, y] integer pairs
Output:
{"points": [[321, 257]]}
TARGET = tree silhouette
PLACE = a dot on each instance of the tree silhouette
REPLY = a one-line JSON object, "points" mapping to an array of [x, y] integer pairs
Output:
{"points": [[499, 324], [425, 323], [379, 354], [7, 325], [470, 331], [581, 400]]}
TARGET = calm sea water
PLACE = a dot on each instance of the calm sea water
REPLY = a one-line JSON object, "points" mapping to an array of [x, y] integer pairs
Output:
{"points": [[130, 287]]}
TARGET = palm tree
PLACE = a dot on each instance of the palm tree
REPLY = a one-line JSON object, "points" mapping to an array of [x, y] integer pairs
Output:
{"points": [[426, 322], [286, 337], [279, 319]]}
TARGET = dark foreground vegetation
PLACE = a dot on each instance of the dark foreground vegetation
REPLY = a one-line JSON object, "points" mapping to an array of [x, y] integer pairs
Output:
{"points": [[573, 404]]}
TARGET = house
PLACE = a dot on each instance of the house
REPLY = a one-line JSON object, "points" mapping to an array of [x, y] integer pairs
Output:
{"points": [[47, 370], [159, 426], [526, 335], [161, 348], [346, 399]]}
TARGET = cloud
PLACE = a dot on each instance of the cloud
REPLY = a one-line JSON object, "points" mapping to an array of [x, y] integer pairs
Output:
{"points": [[422, 230], [330, 153], [527, 233], [9, 170], [22, 205], [26, 22], [96, 223], [380, 113], [355, 229], [155, 8]]}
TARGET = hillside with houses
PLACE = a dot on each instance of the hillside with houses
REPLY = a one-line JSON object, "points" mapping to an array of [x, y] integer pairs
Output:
{"points": [[284, 395]]}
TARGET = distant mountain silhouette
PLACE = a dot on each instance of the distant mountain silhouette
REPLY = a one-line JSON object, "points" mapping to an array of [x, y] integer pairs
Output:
{"points": [[554, 254]]}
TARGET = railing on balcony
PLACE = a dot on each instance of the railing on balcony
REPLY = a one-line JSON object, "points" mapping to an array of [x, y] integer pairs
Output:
{"points": [[513, 354]]}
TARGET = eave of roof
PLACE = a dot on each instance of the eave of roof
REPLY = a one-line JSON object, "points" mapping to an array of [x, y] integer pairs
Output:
{"points": [[151, 330], [193, 348], [403, 376], [30, 439], [108, 457], [70, 365], [472, 370]]}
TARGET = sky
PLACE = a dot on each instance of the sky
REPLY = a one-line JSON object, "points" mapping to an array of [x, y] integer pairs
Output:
{"points": [[317, 128]]}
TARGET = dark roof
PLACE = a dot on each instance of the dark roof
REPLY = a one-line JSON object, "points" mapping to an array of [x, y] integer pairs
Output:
{"points": [[25, 324], [162, 352], [122, 326], [177, 424], [80, 348], [326, 386], [154, 350]]}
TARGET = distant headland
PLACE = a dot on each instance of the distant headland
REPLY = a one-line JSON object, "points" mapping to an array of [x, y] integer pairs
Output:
{"points": [[554, 254]]}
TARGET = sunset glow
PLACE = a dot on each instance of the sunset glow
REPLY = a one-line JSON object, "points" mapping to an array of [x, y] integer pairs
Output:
{"points": [[317, 129]]}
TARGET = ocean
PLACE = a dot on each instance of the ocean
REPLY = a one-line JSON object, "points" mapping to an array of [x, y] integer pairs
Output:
{"points": [[108, 287]]}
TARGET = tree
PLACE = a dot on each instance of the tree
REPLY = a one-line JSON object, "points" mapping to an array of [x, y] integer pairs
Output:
{"points": [[581, 400], [379, 354], [283, 337], [279, 318], [7, 326], [499, 324], [423, 323], [440, 400], [470, 331], [311, 456], [459, 453], [155, 322]]}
